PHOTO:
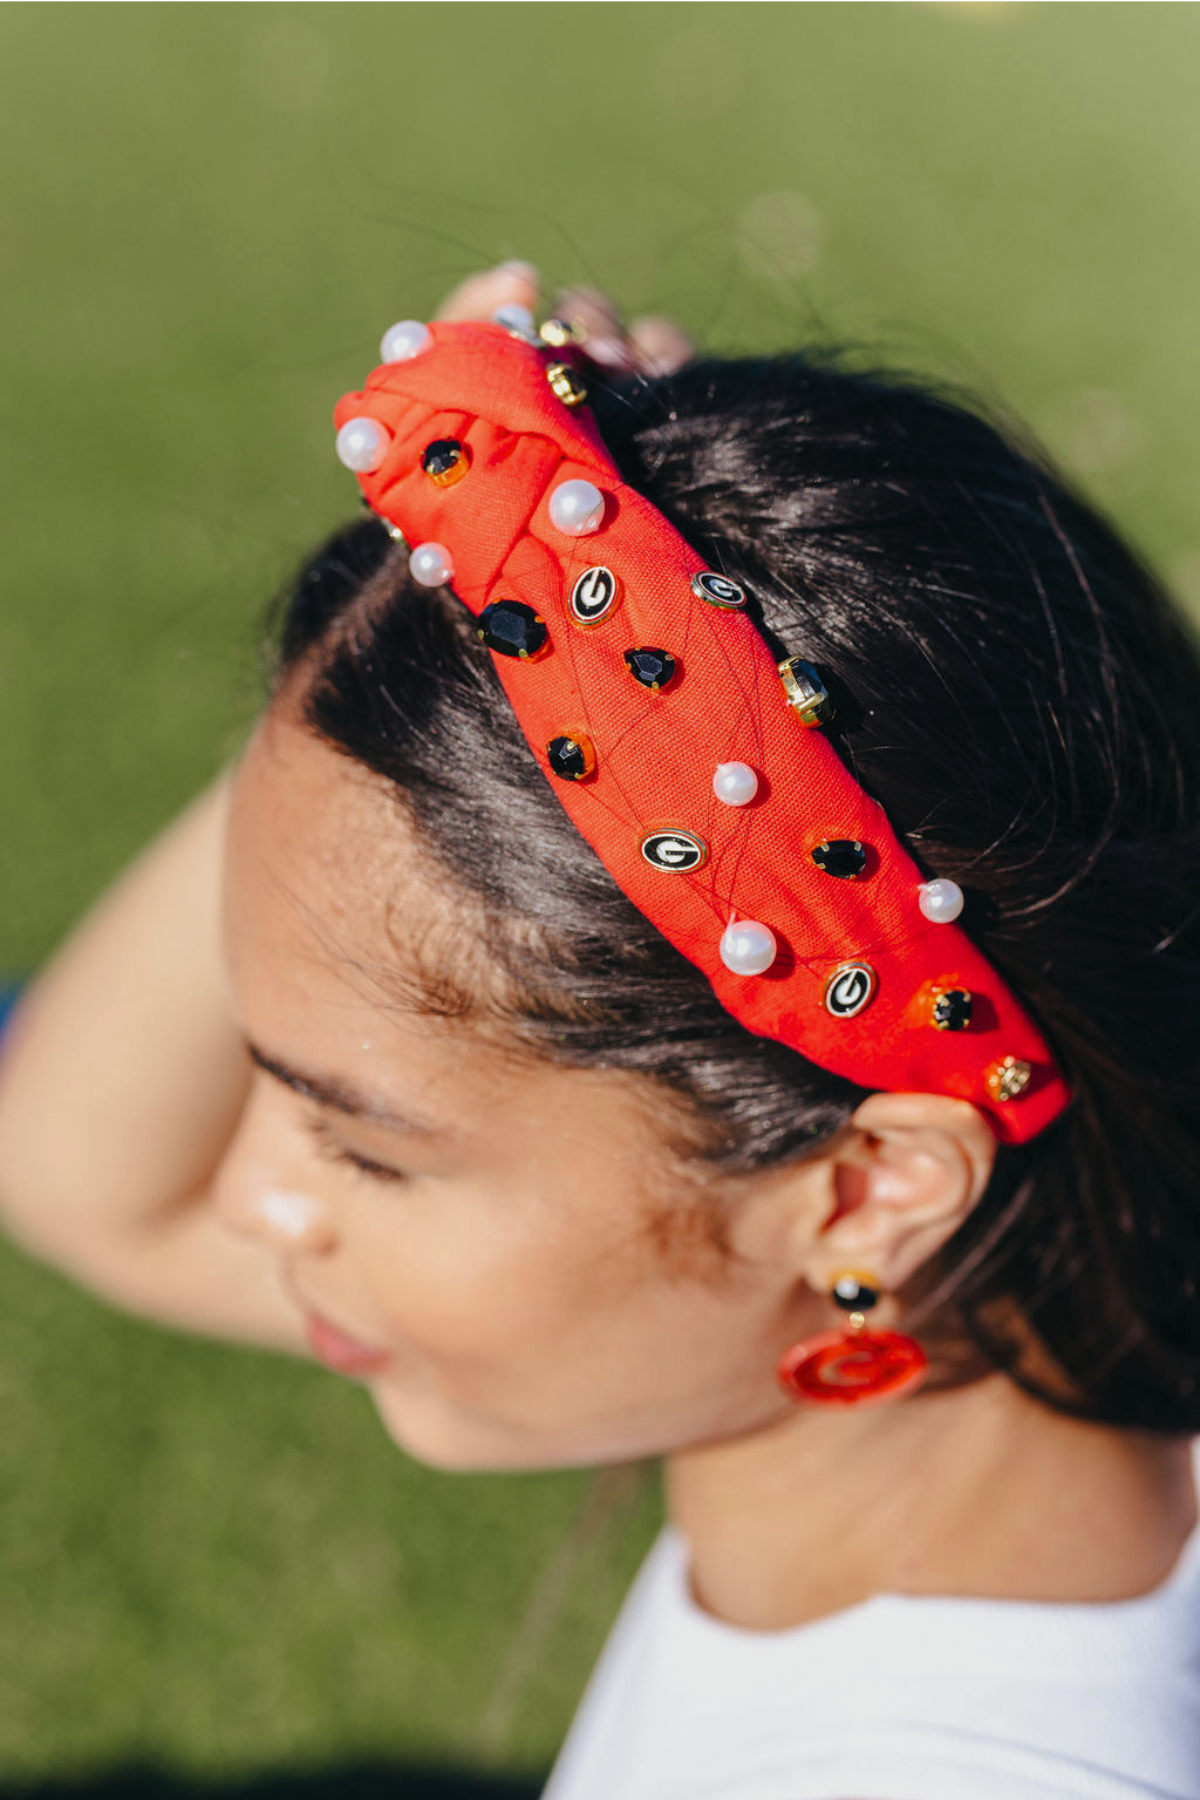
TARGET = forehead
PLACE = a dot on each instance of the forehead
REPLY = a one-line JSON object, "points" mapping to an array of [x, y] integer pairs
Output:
{"points": [[319, 852], [326, 898]]}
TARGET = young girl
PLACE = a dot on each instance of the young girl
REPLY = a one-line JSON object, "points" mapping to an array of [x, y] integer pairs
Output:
{"points": [[722, 1139]]}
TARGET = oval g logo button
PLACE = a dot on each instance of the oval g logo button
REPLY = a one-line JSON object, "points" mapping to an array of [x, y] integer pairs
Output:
{"points": [[675, 852], [849, 989], [718, 590], [595, 595]]}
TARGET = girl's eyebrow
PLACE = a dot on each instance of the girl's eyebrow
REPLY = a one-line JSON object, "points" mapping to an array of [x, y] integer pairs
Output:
{"points": [[343, 1097]]}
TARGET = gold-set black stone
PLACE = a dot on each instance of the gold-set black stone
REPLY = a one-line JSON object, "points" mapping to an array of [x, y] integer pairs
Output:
{"points": [[653, 668], [952, 1010], [806, 691], [444, 461], [853, 1296], [512, 629], [558, 332], [569, 758], [844, 857], [566, 384]]}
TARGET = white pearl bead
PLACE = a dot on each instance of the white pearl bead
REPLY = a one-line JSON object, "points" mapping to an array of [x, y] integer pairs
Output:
{"points": [[747, 947], [362, 444], [518, 322], [940, 900], [430, 565], [735, 783], [404, 341], [577, 508]]}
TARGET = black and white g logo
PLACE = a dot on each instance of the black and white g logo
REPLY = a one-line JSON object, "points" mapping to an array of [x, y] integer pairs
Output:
{"points": [[849, 988], [675, 852], [718, 590], [595, 595]]}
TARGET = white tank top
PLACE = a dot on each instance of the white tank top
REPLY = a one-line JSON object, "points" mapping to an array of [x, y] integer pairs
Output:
{"points": [[904, 1697]]}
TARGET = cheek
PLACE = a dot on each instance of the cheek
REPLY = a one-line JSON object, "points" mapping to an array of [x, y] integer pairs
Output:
{"points": [[479, 1286], [527, 1356], [552, 1324], [520, 1348], [528, 1313]]}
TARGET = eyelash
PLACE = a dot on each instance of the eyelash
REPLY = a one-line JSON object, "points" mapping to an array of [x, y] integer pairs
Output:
{"points": [[333, 1150]]}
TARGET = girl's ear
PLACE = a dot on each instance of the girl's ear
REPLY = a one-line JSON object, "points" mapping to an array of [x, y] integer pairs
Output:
{"points": [[901, 1180]]}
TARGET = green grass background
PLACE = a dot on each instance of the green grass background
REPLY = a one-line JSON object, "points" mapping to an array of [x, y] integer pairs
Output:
{"points": [[212, 1563]]}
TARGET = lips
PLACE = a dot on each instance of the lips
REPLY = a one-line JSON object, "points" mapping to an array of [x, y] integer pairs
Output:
{"points": [[338, 1350]]}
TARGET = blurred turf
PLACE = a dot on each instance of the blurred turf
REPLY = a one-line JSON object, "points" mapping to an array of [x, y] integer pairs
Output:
{"points": [[213, 1563]]}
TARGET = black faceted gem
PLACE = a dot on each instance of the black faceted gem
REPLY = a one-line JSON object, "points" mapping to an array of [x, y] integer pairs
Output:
{"points": [[806, 691], [512, 628], [444, 461], [653, 668], [853, 1295], [952, 1010], [571, 757], [844, 857]]}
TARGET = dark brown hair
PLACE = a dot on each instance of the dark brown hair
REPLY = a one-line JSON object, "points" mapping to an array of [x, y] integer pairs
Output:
{"points": [[1013, 687]]}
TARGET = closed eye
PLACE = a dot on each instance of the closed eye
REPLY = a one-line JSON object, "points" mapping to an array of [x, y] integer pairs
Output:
{"points": [[332, 1149]]}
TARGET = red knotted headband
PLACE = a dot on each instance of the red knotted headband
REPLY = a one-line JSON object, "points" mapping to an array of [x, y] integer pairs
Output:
{"points": [[686, 757]]}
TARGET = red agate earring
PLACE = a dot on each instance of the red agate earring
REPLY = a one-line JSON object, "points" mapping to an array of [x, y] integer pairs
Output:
{"points": [[854, 1366]]}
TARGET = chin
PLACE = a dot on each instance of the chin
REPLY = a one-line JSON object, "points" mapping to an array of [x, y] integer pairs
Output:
{"points": [[441, 1436], [435, 1434]]}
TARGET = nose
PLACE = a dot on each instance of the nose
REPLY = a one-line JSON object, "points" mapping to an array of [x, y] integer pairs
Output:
{"points": [[286, 1218], [253, 1193], [252, 1200]]}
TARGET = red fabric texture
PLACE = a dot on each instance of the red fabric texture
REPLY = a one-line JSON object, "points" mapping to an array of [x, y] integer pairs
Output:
{"points": [[656, 753]]}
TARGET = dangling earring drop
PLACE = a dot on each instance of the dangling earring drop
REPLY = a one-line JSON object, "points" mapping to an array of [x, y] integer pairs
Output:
{"points": [[854, 1366]]}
